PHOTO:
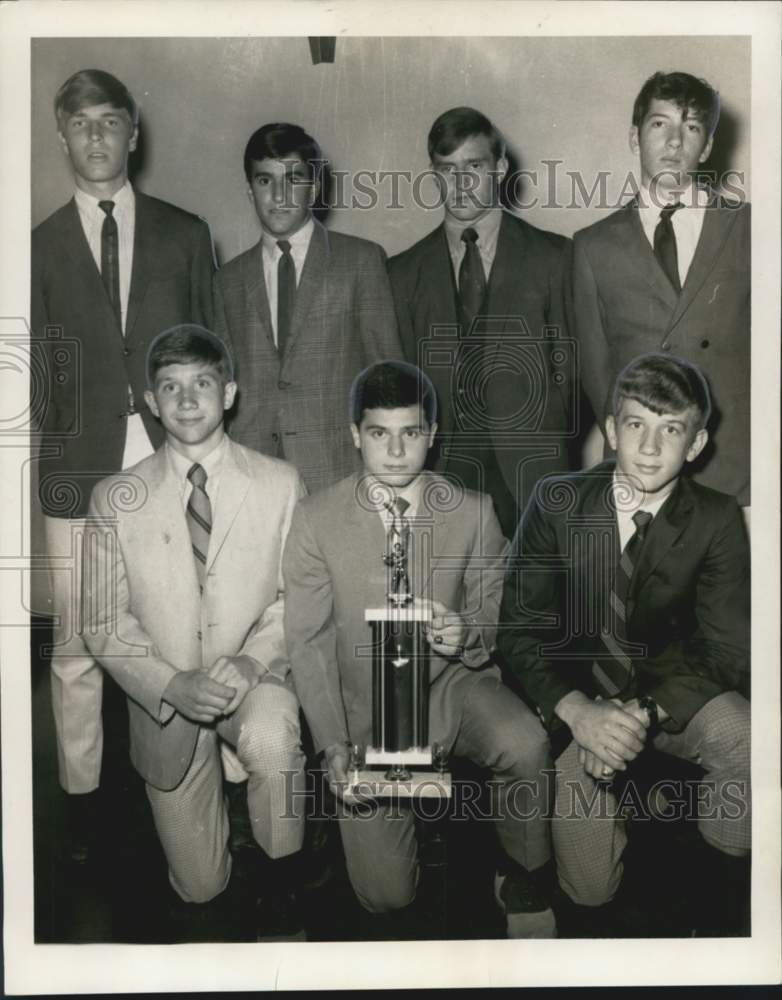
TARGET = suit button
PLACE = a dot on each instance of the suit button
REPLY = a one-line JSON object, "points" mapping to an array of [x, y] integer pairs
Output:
{"points": [[704, 344], [666, 347], [199, 635], [275, 437], [126, 353], [282, 384]]}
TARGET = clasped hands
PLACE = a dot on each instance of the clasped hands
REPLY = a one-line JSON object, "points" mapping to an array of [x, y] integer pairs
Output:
{"points": [[206, 695], [609, 735], [446, 631]]}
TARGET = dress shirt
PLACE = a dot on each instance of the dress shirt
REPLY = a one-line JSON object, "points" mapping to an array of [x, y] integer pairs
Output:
{"points": [[628, 502], [687, 221], [488, 230], [271, 253], [137, 443], [212, 465], [380, 492]]}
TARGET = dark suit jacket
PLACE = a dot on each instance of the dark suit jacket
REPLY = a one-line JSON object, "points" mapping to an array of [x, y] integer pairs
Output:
{"points": [[88, 364], [333, 570], [505, 387], [625, 306], [688, 603], [297, 405]]}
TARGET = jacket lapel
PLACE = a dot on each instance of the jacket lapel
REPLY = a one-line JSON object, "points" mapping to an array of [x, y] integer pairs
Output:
{"points": [[255, 283], [664, 531], [145, 252], [630, 234], [431, 529], [507, 269], [234, 484], [78, 249], [167, 534], [717, 225]]}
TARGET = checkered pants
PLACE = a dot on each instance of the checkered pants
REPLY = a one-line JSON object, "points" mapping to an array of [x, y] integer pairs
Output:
{"points": [[589, 838], [192, 820]]}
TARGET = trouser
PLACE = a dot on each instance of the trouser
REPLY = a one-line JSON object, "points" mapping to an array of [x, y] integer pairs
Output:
{"points": [[497, 731], [588, 835], [192, 819], [76, 678]]}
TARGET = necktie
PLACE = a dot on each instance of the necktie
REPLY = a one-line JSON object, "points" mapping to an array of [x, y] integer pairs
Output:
{"points": [[472, 280], [199, 519], [109, 258], [665, 245], [396, 541], [613, 674], [286, 294]]}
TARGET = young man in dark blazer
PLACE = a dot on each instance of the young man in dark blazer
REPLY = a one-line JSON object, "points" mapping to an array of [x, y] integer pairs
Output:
{"points": [[481, 310], [305, 309], [110, 270], [334, 569], [646, 280], [648, 648]]}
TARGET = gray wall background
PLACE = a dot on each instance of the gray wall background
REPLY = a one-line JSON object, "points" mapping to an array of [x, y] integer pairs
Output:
{"points": [[568, 99]]}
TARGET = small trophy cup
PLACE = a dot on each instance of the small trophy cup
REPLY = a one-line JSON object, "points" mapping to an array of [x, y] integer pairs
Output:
{"points": [[400, 691]]}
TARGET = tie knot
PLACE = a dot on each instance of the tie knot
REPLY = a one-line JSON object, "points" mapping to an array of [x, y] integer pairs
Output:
{"points": [[398, 506], [642, 519], [106, 206], [668, 210], [470, 236], [197, 475], [285, 247]]}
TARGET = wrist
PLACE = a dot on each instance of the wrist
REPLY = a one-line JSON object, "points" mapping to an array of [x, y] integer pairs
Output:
{"points": [[567, 708]]}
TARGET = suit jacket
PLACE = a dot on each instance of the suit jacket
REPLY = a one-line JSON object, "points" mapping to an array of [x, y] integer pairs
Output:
{"points": [[506, 387], [625, 306], [296, 405], [144, 616], [688, 604], [333, 570], [87, 365]]}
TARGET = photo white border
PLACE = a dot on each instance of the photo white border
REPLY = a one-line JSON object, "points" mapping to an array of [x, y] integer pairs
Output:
{"points": [[63, 969]]}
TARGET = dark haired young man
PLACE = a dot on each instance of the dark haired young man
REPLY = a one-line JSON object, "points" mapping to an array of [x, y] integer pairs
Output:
{"points": [[504, 401], [650, 646], [305, 309], [671, 272], [183, 603], [110, 270], [334, 570]]}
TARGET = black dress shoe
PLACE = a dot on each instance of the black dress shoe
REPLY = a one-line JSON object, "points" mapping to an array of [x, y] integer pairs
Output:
{"points": [[83, 816]]}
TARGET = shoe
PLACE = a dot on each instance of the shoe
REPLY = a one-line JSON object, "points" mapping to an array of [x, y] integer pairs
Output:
{"points": [[527, 912], [278, 917], [82, 819], [241, 829]]}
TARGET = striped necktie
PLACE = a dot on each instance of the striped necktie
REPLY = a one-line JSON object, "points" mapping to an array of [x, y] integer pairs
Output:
{"points": [[199, 519], [286, 295], [614, 673]]}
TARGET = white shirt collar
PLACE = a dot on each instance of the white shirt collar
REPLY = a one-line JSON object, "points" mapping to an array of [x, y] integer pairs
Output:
{"points": [[211, 463], [124, 199], [299, 241]]}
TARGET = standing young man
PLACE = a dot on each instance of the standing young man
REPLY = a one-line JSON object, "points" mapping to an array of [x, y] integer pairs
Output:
{"points": [[334, 569], [305, 309], [671, 272], [480, 307], [183, 605], [110, 270], [650, 647]]}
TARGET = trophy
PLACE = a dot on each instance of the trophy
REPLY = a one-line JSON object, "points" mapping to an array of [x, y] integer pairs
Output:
{"points": [[400, 689]]}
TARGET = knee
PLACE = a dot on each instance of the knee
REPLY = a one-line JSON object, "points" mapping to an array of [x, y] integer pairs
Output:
{"points": [[727, 747], [201, 884], [523, 751], [270, 745], [386, 899]]}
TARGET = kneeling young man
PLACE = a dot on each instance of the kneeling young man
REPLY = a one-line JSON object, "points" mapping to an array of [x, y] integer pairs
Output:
{"points": [[184, 608], [334, 569], [666, 658]]}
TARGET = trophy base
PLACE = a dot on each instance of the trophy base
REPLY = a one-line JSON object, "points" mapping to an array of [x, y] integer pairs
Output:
{"points": [[399, 758], [420, 784]]}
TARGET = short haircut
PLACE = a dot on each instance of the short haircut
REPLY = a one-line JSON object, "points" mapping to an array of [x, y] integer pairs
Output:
{"points": [[188, 344], [390, 385], [89, 87], [454, 126], [664, 383], [686, 91], [278, 141]]}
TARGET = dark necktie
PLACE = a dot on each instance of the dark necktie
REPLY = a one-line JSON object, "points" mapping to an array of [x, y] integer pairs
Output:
{"points": [[109, 258], [472, 280], [665, 245], [397, 539], [286, 294], [613, 674], [199, 519]]}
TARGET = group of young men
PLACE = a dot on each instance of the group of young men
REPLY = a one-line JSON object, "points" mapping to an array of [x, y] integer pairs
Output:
{"points": [[222, 598]]}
